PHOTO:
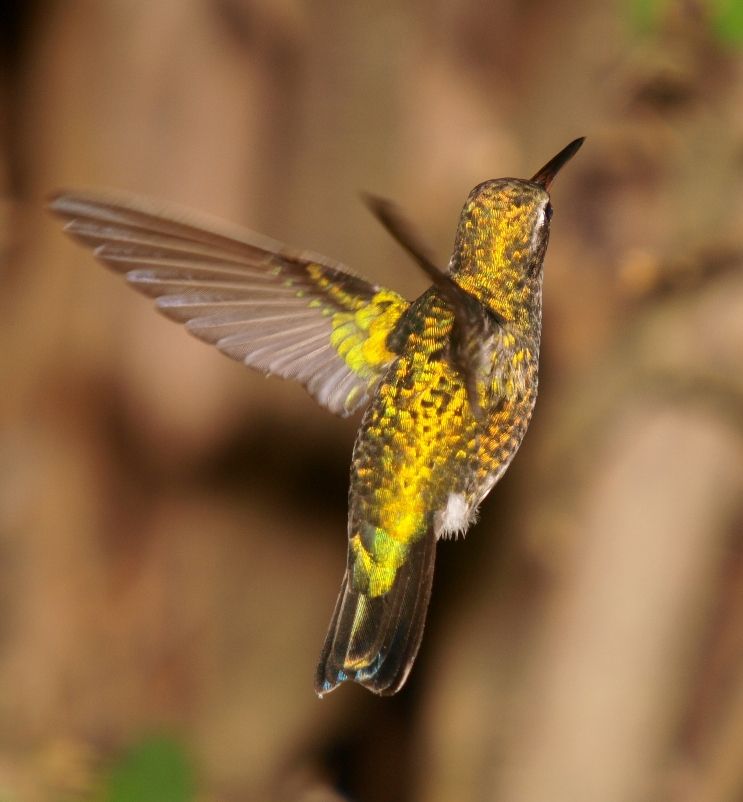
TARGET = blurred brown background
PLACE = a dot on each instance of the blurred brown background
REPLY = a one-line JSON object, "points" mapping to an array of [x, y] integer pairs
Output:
{"points": [[172, 526]]}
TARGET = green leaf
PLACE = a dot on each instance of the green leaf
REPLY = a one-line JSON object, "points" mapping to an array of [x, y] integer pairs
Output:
{"points": [[154, 770]]}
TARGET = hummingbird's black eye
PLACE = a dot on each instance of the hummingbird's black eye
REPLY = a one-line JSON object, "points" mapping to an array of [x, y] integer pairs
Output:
{"points": [[548, 212]]}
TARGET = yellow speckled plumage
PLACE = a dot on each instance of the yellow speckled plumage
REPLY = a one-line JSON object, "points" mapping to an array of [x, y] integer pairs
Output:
{"points": [[449, 381], [423, 459], [360, 337]]}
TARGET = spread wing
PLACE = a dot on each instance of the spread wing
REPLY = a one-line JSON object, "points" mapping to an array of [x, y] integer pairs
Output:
{"points": [[294, 314]]}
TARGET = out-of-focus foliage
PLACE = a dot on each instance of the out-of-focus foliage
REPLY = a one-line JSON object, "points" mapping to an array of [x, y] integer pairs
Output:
{"points": [[645, 14], [153, 770], [725, 16], [728, 20]]}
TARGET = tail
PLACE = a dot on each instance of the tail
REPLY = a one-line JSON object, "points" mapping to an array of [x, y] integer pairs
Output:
{"points": [[374, 640]]}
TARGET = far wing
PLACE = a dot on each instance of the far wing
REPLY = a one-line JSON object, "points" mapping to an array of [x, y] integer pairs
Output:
{"points": [[473, 322], [294, 314]]}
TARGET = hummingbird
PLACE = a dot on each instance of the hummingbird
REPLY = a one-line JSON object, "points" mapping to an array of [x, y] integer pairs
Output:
{"points": [[447, 382]]}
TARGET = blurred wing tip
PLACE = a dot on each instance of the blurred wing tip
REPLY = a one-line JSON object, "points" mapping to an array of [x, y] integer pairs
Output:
{"points": [[65, 202], [56, 199], [375, 202]]}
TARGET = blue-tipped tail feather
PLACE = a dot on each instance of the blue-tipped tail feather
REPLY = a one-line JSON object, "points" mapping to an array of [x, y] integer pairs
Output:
{"points": [[374, 640]]}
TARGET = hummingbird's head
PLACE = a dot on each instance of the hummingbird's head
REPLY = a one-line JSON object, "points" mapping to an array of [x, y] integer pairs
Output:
{"points": [[504, 222], [503, 233]]}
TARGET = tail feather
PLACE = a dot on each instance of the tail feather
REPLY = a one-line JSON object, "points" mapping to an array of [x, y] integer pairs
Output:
{"points": [[374, 640]]}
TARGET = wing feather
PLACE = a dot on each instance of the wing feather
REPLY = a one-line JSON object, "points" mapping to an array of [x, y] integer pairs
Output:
{"points": [[281, 311]]}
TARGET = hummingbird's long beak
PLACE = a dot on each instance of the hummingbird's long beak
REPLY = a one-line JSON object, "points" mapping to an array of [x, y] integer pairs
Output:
{"points": [[546, 175]]}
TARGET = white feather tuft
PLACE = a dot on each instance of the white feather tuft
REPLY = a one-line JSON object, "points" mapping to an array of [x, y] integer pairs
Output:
{"points": [[455, 518]]}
